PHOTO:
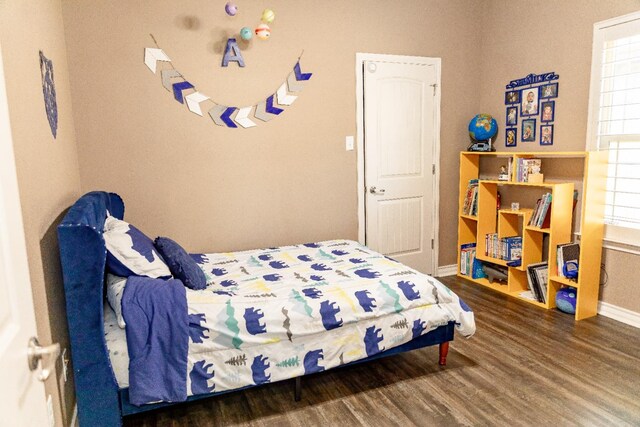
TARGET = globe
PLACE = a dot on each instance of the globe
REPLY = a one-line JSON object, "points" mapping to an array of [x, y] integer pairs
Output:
{"points": [[483, 127]]}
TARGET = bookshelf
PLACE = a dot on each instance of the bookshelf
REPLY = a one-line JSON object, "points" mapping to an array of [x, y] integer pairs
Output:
{"points": [[539, 244]]}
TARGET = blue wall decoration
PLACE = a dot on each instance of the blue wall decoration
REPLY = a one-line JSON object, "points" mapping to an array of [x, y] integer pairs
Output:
{"points": [[223, 115], [49, 92], [532, 79], [531, 95], [232, 53]]}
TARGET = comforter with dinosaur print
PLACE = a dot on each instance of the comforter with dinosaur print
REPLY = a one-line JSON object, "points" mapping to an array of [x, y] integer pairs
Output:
{"points": [[278, 313]]}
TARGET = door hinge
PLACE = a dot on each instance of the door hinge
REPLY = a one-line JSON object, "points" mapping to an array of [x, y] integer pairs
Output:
{"points": [[433, 169], [434, 86], [431, 243]]}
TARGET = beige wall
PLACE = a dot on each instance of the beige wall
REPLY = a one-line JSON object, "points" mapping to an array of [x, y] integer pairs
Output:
{"points": [[286, 181], [47, 168], [558, 38]]}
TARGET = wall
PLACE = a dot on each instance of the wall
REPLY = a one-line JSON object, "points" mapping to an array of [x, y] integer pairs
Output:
{"points": [[286, 181], [47, 168], [557, 37]]}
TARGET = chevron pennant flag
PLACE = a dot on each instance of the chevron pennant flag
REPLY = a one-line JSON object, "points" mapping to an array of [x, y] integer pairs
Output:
{"points": [[222, 115]]}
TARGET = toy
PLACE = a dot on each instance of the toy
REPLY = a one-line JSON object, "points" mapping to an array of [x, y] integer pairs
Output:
{"points": [[246, 33], [566, 300], [263, 31], [494, 273], [503, 175], [231, 9], [570, 270], [268, 16]]}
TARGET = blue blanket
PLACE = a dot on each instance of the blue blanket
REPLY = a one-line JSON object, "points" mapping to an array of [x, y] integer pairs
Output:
{"points": [[158, 339]]}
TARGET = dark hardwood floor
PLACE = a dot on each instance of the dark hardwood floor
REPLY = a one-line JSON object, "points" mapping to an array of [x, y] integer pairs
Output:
{"points": [[524, 366]]}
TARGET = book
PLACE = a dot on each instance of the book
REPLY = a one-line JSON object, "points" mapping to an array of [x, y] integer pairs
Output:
{"points": [[527, 295], [541, 215], [513, 248], [538, 275], [467, 256], [546, 219], [533, 214], [470, 205], [526, 166], [543, 210]]}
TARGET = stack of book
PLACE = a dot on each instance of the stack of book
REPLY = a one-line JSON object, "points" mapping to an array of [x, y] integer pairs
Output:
{"points": [[467, 257], [524, 167], [470, 206], [567, 252], [541, 216], [537, 276], [506, 248]]}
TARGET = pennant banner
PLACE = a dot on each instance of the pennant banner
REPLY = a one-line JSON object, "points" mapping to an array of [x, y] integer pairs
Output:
{"points": [[222, 115]]}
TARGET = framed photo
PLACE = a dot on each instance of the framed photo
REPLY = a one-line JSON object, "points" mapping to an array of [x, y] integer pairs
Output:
{"points": [[547, 111], [546, 134], [529, 130], [529, 101], [511, 137], [512, 97], [549, 91], [512, 115]]}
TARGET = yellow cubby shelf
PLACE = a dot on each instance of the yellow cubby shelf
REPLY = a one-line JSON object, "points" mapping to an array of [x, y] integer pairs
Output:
{"points": [[564, 281], [471, 217], [507, 222]]}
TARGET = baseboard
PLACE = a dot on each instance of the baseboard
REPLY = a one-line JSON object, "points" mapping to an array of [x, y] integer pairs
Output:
{"points": [[620, 314], [447, 270], [74, 417]]}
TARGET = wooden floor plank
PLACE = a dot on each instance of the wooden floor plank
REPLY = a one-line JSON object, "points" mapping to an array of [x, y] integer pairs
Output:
{"points": [[525, 366]]}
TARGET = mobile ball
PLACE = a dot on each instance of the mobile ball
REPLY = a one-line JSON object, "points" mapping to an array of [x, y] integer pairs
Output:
{"points": [[268, 16], [231, 9], [263, 31], [246, 33]]}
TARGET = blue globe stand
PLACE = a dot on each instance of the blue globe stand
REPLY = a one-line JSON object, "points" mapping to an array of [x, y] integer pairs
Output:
{"points": [[481, 146]]}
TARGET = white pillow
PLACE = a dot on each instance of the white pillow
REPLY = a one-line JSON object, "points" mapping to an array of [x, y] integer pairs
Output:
{"points": [[115, 289], [130, 252]]}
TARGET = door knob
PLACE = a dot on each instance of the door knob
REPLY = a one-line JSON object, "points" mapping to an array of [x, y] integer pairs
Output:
{"points": [[35, 355], [374, 190]]}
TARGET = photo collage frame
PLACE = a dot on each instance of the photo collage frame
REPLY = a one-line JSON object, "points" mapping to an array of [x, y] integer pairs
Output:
{"points": [[531, 109]]}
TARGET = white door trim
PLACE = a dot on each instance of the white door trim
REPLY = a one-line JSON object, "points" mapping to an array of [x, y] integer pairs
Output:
{"points": [[437, 62]]}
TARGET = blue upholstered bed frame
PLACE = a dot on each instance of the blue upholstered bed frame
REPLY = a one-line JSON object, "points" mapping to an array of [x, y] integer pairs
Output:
{"points": [[83, 255]]}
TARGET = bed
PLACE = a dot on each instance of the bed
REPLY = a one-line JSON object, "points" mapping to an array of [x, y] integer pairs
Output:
{"points": [[266, 315]]}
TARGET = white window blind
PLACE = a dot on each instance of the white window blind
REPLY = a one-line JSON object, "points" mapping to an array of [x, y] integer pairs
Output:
{"points": [[615, 117]]}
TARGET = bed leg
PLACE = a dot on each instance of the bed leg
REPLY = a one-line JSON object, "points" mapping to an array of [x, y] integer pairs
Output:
{"points": [[444, 349], [297, 392]]}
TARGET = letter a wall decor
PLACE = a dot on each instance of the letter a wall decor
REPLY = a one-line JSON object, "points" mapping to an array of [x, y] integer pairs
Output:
{"points": [[187, 93]]}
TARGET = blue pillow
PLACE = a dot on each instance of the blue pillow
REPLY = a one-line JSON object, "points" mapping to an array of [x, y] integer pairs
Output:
{"points": [[182, 266], [130, 252]]}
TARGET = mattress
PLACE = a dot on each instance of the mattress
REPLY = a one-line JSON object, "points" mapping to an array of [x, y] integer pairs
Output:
{"points": [[116, 340], [277, 313]]}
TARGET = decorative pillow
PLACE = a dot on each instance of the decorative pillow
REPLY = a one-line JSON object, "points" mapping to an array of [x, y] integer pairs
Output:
{"points": [[181, 264], [130, 252], [115, 289]]}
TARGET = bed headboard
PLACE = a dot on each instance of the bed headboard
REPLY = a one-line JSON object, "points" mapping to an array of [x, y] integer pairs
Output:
{"points": [[83, 257]]}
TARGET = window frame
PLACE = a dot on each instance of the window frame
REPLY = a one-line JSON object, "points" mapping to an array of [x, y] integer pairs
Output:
{"points": [[626, 236]]}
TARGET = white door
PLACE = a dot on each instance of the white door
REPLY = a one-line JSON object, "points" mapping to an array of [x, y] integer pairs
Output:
{"points": [[22, 395], [399, 140]]}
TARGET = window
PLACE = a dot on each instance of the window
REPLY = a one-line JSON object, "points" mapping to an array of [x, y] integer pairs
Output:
{"points": [[614, 121]]}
